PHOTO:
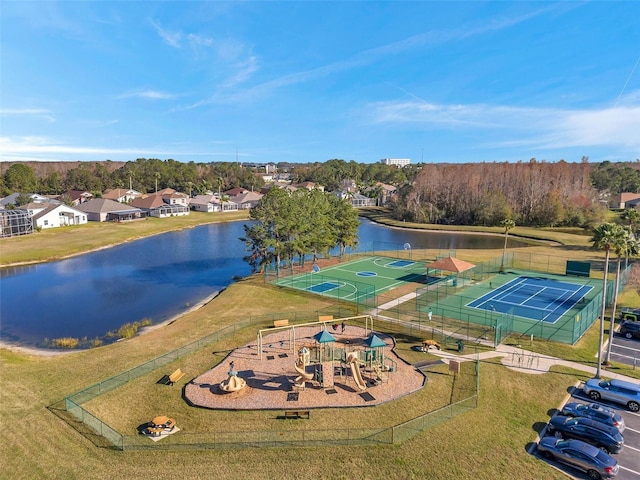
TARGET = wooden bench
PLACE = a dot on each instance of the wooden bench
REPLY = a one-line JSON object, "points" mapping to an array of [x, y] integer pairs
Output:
{"points": [[325, 318], [281, 323], [297, 414], [175, 376]]}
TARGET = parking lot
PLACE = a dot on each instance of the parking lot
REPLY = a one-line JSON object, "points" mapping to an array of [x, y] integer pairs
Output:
{"points": [[629, 458], [625, 351]]}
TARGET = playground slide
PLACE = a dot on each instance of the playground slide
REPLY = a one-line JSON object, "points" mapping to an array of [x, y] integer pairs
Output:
{"points": [[355, 371], [302, 372]]}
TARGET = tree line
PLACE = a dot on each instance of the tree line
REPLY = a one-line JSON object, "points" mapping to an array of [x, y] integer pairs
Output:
{"points": [[291, 226], [534, 193], [530, 193], [147, 175]]}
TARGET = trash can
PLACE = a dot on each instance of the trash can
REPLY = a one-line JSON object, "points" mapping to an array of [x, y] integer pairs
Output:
{"points": [[460, 346]]}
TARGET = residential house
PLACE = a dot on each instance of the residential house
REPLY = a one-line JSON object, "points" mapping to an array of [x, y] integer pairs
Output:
{"points": [[105, 210], [309, 186], [78, 196], [211, 204], [122, 195], [635, 203], [12, 199], [158, 206], [176, 198], [246, 200], [59, 215], [384, 193], [35, 207], [621, 201], [234, 192], [357, 200]]}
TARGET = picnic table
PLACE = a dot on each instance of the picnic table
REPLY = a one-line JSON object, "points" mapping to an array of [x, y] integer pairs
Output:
{"points": [[163, 422]]}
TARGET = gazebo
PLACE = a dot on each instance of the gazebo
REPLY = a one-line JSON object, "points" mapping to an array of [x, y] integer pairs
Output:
{"points": [[450, 264]]}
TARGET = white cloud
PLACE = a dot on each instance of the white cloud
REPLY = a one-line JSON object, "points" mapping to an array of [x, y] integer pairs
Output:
{"points": [[48, 149], [534, 127], [37, 112], [172, 39], [148, 94]]}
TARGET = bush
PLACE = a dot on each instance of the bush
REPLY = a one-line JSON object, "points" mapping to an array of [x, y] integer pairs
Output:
{"points": [[65, 342]]}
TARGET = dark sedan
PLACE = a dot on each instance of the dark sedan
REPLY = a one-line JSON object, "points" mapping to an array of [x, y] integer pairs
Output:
{"points": [[603, 436], [594, 412], [580, 455], [630, 329]]}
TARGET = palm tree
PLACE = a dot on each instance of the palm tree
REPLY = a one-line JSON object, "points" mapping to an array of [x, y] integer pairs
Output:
{"points": [[622, 244], [603, 238], [632, 217], [508, 224]]}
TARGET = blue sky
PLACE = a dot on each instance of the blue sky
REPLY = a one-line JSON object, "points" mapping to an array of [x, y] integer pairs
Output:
{"points": [[311, 81]]}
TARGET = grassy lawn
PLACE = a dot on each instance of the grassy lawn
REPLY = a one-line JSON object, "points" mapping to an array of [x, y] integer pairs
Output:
{"points": [[487, 443]]}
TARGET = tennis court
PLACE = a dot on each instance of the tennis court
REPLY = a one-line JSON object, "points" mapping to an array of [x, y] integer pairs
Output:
{"points": [[540, 299], [360, 279]]}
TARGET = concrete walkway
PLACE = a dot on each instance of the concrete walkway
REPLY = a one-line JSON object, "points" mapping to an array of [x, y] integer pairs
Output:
{"points": [[514, 358], [528, 362]]}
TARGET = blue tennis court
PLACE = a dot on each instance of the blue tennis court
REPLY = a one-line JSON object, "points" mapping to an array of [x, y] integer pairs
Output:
{"points": [[540, 299]]}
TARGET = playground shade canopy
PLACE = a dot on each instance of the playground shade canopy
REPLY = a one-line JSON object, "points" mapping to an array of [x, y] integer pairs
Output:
{"points": [[324, 337], [450, 264], [374, 342]]}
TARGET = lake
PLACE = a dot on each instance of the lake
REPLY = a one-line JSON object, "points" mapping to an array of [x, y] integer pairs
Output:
{"points": [[156, 278]]}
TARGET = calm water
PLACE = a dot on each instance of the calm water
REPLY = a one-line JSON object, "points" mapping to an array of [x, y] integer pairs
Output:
{"points": [[157, 278]]}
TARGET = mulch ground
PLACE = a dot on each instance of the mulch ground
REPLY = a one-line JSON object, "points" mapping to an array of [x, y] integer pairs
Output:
{"points": [[270, 380]]}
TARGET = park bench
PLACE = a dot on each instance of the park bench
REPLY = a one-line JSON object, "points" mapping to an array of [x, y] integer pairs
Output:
{"points": [[297, 414], [175, 376], [325, 318], [281, 323]]}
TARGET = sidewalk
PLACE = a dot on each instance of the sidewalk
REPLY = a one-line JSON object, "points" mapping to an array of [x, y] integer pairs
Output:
{"points": [[526, 361]]}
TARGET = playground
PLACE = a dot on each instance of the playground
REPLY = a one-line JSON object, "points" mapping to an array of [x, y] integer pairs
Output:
{"points": [[320, 364]]}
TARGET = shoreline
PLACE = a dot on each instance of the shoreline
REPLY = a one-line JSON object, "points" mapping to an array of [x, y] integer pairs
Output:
{"points": [[111, 245], [50, 352], [521, 238]]}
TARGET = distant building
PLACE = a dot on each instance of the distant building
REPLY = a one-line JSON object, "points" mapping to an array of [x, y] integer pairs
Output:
{"points": [[400, 162]]}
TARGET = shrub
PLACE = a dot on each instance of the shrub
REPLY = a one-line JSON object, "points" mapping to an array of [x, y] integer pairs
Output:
{"points": [[65, 342]]}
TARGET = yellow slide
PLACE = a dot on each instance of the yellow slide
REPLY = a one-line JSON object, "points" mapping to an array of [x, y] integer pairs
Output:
{"points": [[352, 360]]}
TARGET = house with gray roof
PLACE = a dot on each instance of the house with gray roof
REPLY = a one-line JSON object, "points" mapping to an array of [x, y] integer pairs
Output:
{"points": [[105, 210], [159, 206]]}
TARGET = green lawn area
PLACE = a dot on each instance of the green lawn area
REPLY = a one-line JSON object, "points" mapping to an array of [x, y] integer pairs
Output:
{"points": [[487, 443]]}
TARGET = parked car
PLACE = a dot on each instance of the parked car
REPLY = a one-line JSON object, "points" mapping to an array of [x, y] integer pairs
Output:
{"points": [[580, 455], [594, 412], [603, 436], [617, 391], [630, 329], [630, 314]]}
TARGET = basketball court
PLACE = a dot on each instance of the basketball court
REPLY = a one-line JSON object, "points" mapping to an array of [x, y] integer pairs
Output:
{"points": [[362, 278]]}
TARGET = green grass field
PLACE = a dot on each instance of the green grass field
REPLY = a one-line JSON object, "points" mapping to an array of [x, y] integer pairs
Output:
{"points": [[487, 443]]}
